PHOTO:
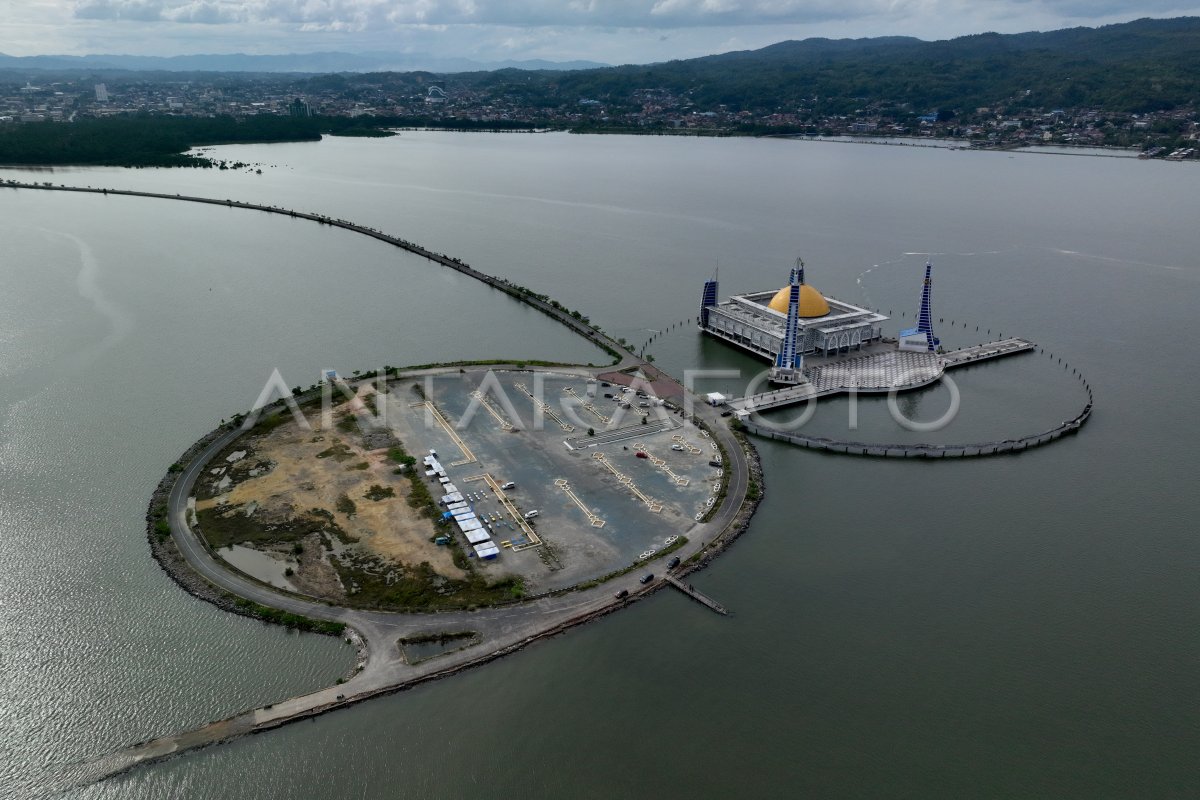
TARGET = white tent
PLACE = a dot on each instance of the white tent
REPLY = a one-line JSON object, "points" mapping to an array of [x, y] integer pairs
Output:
{"points": [[488, 550], [475, 537]]}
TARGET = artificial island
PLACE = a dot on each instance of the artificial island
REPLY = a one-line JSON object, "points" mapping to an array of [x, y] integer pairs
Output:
{"points": [[443, 516]]}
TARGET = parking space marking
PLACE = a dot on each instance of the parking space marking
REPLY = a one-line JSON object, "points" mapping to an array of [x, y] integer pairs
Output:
{"points": [[505, 425], [586, 404], [565, 487], [468, 456], [628, 483], [546, 409], [677, 479]]}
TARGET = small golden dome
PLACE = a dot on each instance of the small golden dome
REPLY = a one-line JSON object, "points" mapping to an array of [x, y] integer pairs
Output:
{"points": [[812, 302]]}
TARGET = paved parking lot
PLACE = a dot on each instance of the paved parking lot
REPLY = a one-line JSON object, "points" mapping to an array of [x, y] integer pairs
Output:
{"points": [[600, 505]]}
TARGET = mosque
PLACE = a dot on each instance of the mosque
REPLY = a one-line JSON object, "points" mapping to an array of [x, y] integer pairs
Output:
{"points": [[786, 325]]}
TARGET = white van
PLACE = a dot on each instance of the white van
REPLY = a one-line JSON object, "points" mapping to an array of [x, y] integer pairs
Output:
{"points": [[531, 514], [508, 485]]}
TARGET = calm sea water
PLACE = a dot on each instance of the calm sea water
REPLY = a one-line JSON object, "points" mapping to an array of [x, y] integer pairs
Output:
{"points": [[1021, 626]]}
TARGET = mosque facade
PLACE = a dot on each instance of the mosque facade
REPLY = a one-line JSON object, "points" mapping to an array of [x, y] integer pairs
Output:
{"points": [[760, 322]]}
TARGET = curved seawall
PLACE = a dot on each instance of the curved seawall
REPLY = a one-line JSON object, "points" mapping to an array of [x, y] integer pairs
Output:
{"points": [[921, 450]]}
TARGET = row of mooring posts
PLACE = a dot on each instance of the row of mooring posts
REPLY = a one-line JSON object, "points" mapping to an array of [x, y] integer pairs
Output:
{"points": [[673, 326]]}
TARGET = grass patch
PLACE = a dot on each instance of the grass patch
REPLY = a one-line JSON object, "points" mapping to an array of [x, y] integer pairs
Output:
{"points": [[377, 492], [346, 506], [338, 451], [222, 527], [362, 465], [375, 583], [269, 422], [295, 621]]}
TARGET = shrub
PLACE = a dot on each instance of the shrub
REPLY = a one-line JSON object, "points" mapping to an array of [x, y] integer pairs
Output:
{"points": [[346, 506]]}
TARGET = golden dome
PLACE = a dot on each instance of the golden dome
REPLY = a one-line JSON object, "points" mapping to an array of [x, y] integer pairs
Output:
{"points": [[812, 302]]}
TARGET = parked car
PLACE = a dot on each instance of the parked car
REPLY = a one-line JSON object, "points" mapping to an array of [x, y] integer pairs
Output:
{"points": [[640, 454], [677, 447], [531, 514], [508, 485], [673, 563], [622, 594], [649, 576]]}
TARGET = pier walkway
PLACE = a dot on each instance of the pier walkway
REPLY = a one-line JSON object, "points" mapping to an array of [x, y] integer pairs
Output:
{"points": [[696, 594], [891, 370], [983, 352]]}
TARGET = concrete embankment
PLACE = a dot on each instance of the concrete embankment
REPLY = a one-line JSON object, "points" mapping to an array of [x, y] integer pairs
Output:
{"points": [[921, 450]]}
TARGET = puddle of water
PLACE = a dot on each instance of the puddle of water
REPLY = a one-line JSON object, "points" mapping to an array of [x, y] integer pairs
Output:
{"points": [[421, 649], [259, 565]]}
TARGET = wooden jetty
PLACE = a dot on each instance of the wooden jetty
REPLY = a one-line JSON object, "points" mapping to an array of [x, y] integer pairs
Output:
{"points": [[696, 594]]}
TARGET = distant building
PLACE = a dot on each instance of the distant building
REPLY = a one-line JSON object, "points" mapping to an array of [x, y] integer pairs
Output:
{"points": [[101, 93], [299, 108], [435, 95]]}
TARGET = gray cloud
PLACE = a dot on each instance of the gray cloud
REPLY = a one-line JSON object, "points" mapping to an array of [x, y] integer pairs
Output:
{"points": [[616, 31], [135, 10], [361, 14]]}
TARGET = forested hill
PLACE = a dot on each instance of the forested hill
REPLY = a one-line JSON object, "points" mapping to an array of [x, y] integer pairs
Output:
{"points": [[1146, 65]]}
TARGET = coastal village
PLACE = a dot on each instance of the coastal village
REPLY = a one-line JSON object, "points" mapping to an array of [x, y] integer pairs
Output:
{"points": [[424, 99]]}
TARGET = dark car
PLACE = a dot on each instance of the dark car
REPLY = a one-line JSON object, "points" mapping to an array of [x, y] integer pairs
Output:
{"points": [[673, 563], [608, 395], [714, 464], [622, 594], [726, 413], [649, 576]]}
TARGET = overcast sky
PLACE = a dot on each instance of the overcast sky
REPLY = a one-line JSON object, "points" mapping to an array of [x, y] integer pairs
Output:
{"points": [[613, 31]]}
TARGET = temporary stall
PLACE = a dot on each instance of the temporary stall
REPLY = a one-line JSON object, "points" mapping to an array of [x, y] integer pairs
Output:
{"points": [[475, 537], [487, 551]]}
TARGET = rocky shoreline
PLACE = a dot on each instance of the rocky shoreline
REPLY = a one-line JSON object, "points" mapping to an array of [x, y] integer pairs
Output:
{"points": [[741, 522], [166, 553]]}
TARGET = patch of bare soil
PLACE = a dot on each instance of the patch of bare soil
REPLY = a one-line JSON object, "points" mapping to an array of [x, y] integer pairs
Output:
{"points": [[315, 487]]}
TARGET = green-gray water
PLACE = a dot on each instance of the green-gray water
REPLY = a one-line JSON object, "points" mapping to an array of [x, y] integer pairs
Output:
{"points": [[1020, 626]]}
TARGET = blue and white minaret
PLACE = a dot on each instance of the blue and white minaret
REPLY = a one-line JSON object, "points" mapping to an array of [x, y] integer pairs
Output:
{"points": [[708, 300], [921, 338], [789, 361]]}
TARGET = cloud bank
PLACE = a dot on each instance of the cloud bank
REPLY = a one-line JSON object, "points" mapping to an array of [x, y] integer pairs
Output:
{"points": [[616, 31]]}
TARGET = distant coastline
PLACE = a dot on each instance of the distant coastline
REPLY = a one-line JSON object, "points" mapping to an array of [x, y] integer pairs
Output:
{"points": [[148, 141]]}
